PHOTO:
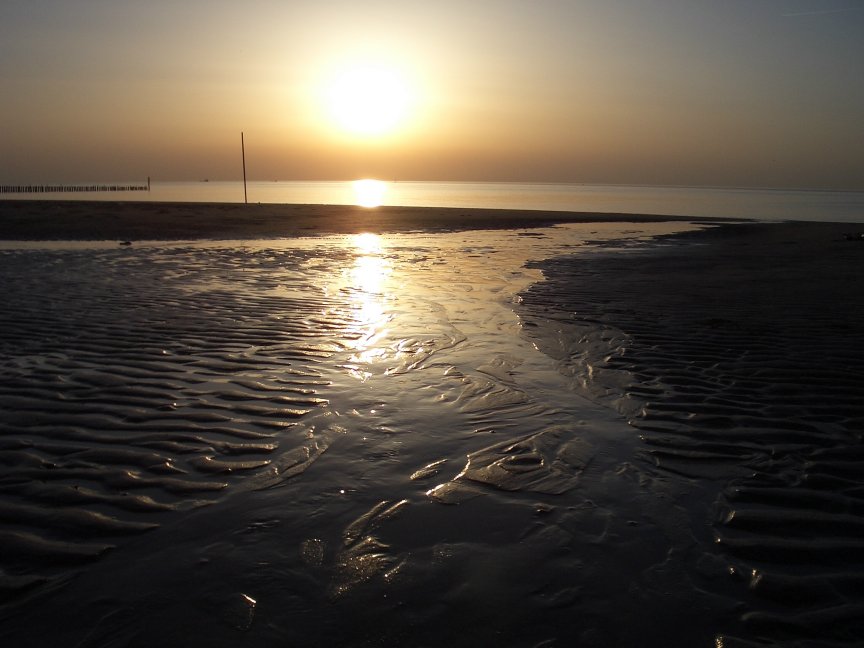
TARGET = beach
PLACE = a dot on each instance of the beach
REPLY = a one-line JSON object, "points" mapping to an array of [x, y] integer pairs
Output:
{"points": [[317, 425], [83, 220], [737, 355]]}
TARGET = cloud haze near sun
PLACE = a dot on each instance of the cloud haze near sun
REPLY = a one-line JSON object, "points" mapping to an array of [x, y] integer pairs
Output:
{"points": [[648, 92]]}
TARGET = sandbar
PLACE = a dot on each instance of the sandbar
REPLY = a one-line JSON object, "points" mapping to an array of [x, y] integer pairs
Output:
{"points": [[85, 220]]}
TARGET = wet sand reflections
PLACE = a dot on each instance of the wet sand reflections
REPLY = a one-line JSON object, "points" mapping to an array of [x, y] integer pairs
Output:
{"points": [[267, 444], [748, 383], [138, 383]]}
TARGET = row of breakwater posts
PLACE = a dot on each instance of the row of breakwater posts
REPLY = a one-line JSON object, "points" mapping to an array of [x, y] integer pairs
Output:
{"points": [[75, 188]]}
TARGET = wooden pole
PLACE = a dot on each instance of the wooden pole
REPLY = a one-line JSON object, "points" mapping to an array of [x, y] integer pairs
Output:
{"points": [[243, 151]]}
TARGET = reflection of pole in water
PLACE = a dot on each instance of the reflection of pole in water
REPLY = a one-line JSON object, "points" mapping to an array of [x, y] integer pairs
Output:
{"points": [[243, 152]]}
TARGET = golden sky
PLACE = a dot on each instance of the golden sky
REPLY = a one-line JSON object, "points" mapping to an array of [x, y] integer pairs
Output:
{"points": [[681, 92]]}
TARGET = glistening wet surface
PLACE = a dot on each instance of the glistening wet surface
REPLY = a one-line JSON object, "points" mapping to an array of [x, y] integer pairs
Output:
{"points": [[745, 378], [334, 441]]}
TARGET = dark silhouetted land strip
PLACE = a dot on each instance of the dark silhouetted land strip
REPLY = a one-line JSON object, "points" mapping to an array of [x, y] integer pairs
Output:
{"points": [[105, 220]]}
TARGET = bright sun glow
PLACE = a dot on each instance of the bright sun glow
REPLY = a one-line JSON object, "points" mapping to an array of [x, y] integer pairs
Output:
{"points": [[368, 100], [367, 243], [369, 193]]}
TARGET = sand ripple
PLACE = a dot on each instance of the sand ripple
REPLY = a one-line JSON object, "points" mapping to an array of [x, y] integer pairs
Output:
{"points": [[547, 462], [136, 385], [747, 377], [223, 444]]}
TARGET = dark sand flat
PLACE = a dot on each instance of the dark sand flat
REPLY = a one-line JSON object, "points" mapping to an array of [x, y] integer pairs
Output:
{"points": [[738, 355], [333, 442], [82, 220]]}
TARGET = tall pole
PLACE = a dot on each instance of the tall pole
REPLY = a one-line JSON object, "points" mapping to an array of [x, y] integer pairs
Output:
{"points": [[243, 151]]}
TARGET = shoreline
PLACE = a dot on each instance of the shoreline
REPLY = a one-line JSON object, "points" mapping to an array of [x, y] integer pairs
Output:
{"points": [[100, 220]]}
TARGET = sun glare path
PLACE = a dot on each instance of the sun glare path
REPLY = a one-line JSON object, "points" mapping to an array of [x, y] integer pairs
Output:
{"points": [[369, 193], [367, 243], [369, 279]]}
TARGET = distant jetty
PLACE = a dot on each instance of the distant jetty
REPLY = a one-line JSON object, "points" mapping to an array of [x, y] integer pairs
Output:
{"points": [[76, 188]]}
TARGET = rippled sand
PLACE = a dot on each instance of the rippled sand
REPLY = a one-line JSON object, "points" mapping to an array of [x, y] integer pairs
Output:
{"points": [[739, 359], [356, 440]]}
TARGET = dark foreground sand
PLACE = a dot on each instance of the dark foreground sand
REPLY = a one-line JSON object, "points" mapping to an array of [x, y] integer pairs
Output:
{"points": [[738, 355], [310, 446]]}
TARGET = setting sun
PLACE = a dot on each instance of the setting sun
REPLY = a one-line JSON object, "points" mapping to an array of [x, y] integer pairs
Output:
{"points": [[368, 99], [369, 193]]}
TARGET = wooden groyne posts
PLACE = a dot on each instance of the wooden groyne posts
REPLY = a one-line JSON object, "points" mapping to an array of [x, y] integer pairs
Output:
{"points": [[77, 188]]}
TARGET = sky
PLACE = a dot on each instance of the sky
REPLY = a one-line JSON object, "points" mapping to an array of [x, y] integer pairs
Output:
{"points": [[740, 93]]}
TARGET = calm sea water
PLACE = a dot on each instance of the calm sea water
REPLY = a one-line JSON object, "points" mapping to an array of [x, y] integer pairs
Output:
{"points": [[763, 204]]}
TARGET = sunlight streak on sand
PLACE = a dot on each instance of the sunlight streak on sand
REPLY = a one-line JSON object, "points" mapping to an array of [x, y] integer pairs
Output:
{"points": [[368, 281]]}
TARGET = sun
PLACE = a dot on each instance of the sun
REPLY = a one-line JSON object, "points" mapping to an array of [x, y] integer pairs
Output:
{"points": [[368, 99], [369, 193]]}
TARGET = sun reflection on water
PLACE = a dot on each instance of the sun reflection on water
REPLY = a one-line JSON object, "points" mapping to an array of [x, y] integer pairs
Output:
{"points": [[369, 193], [367, 243], [368, 279], [369, 275]]}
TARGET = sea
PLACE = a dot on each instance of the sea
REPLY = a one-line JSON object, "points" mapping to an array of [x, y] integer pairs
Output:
{"points": [[759, 204]]}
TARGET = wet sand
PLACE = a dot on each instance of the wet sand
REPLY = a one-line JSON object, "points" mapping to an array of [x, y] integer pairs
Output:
{"points": [[737, 354], [416, 439], [82, 220]]}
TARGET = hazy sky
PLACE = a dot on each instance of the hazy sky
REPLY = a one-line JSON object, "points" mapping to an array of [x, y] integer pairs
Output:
{"points": [[709, 92]]}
